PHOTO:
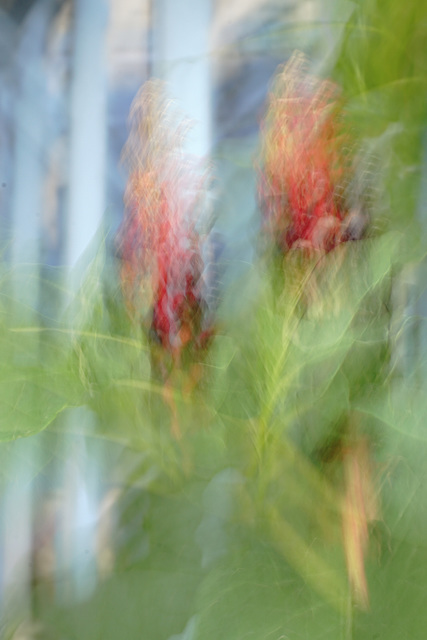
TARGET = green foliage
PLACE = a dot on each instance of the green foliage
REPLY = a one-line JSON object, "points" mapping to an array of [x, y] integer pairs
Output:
{"points": [[235, 529]]}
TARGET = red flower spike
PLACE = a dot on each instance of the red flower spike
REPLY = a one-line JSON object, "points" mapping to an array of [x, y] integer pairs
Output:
{"points": [[305, 165], [161, 257]]}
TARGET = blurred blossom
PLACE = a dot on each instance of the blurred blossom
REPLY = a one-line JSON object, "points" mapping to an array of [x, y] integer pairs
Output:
{"points": [[160, 242], [307, 164], [360, 509]]}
